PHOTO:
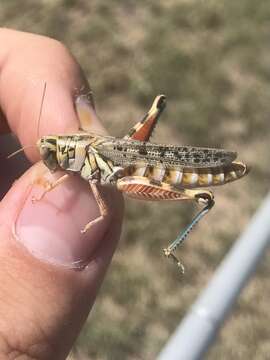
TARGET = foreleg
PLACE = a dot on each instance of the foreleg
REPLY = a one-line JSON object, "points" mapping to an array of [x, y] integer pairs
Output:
{"points": [[49, 186]]}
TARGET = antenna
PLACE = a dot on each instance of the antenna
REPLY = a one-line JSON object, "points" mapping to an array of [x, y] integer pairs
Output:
{"points": [[41, 107], [39, 118], [20, 150]]}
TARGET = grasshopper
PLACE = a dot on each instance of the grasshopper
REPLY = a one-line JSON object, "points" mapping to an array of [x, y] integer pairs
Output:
{"points": [[141, 169]]}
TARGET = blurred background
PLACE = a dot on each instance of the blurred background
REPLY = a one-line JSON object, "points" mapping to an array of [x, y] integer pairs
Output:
{"points": [[211, 58]]}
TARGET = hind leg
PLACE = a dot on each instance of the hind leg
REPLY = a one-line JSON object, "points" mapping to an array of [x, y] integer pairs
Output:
{"points": [[200, 198], [142, 188], [143, 130]]}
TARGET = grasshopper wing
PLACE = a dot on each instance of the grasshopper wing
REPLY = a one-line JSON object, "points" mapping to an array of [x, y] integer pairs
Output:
{"points": [[130, 152]]}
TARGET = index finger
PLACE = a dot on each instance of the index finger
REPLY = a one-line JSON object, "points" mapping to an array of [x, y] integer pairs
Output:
{"points": [[29, 64]]}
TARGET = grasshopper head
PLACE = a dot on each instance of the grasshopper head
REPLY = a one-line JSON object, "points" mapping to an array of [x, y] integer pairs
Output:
{"points": [[47, 146]]}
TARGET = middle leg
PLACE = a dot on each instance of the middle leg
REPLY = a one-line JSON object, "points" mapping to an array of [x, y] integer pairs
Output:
{"points": [[101, 205]]}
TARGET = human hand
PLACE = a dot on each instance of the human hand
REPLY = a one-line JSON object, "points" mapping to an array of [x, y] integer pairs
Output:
{"points": [[49, 272]]}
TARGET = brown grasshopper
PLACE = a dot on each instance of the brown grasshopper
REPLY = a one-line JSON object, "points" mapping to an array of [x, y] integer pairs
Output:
{"points": [[141, 169]]}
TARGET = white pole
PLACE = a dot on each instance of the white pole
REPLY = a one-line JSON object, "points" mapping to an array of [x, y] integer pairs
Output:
{"points": [[199, 327]]}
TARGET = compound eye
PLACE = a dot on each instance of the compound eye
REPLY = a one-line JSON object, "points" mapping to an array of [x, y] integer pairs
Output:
{"points": [[50, 160], [44, 152]]}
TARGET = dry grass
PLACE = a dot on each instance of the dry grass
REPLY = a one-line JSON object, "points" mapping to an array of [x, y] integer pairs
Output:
{"points": [[211, 59]]}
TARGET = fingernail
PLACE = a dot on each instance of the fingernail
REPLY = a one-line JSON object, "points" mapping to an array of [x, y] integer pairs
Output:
{"points": [[87, 116], [51, 228]]}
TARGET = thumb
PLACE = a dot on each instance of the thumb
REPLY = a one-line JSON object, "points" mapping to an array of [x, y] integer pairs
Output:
{"points": [[50, 272]]}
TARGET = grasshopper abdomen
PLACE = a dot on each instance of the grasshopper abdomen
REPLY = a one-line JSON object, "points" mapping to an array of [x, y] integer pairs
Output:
{"points": [[190, 177]]}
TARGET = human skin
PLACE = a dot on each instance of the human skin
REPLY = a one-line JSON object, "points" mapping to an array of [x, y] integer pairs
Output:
{"points": [[50, 273]]}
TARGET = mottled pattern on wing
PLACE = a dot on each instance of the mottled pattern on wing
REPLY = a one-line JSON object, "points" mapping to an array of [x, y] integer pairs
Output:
{"points": [[125, 153]]}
